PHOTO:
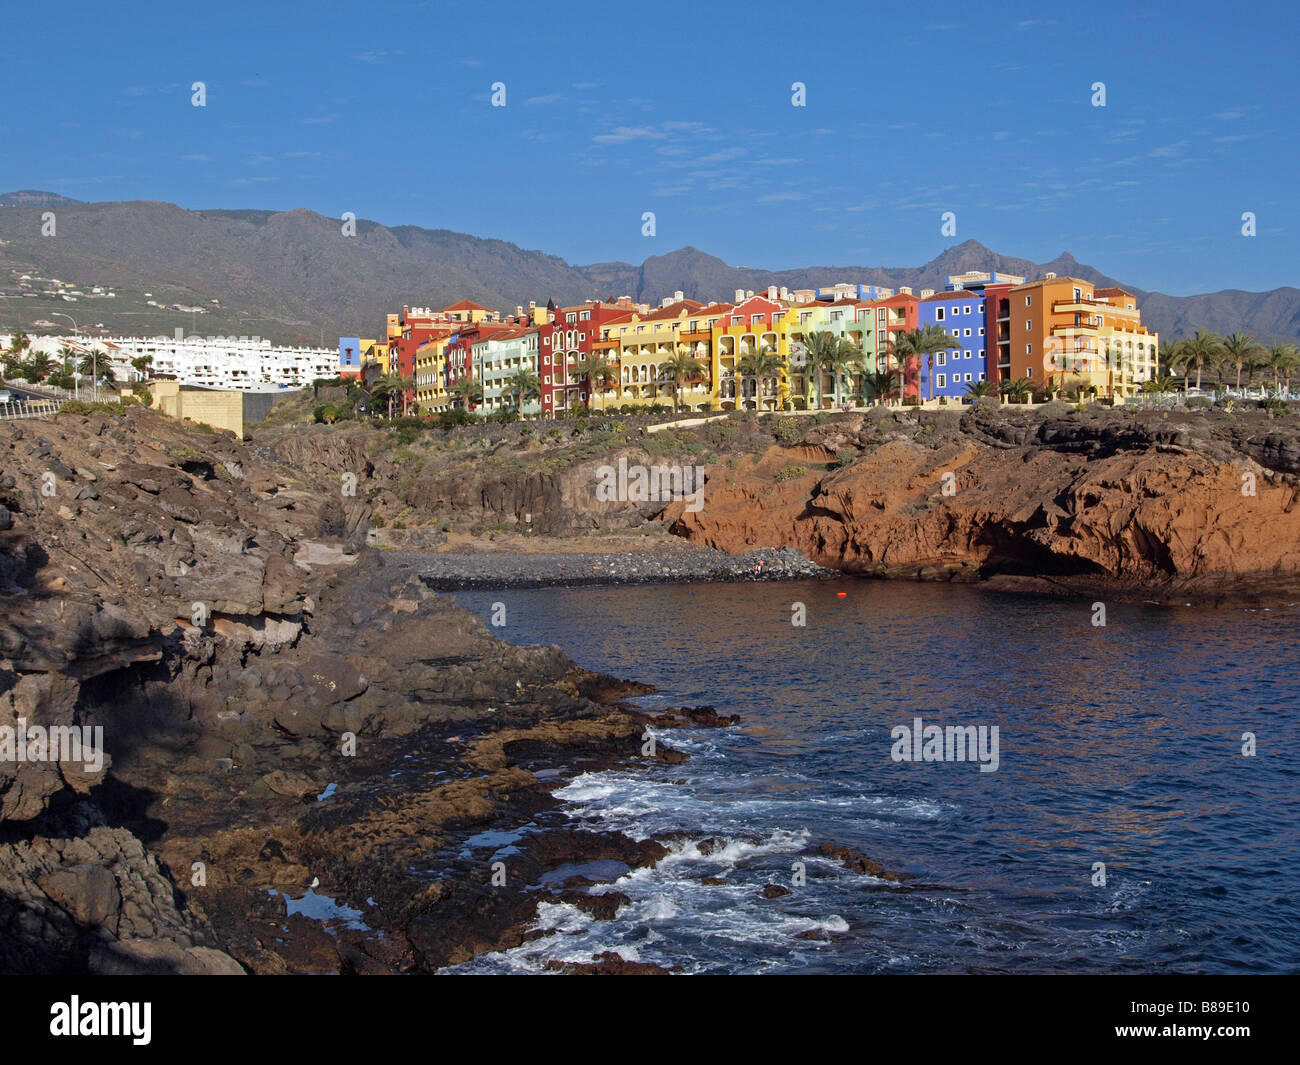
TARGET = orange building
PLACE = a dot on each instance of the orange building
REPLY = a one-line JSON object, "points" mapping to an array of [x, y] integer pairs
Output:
{"points": [[1068, 335]]}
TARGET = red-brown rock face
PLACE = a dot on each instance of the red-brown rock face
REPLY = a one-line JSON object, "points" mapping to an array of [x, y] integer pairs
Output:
{"points": [[1154, 518]]}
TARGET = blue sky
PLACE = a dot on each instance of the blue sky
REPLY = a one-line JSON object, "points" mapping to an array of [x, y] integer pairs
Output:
{"points": [[685, 110]]}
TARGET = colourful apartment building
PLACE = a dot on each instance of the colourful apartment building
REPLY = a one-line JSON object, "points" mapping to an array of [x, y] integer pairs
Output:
{"points": [[962, 315], [498, 358], [565, 342], [1065, 334], [750, 326], [845, 318]]}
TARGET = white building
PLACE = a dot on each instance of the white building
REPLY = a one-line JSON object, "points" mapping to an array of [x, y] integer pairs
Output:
{"points": [[497, 360], [247, 364]]}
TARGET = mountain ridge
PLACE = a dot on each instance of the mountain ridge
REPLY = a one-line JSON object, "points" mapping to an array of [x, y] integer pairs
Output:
{"points": [[294, 276]]}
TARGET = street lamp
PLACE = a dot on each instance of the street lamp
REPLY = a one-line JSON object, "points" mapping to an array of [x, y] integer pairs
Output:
{"points": [[76, 378]]}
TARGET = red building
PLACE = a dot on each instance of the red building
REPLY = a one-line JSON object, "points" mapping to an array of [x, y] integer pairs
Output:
{"points": [[564, 343]]}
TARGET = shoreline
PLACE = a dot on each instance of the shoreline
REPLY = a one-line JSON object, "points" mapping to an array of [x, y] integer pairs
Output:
{"points": [[453, 571]]}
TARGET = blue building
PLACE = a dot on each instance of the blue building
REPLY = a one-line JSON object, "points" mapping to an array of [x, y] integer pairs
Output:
{"points": [[961, 315], [350, 354]]}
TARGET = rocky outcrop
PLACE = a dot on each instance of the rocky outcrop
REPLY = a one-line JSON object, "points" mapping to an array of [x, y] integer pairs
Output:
{"points": [[277, 715], [1157, 508]]}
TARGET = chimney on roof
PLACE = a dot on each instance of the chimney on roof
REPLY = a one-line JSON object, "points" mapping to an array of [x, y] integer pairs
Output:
{"points": [[905, 290], [740, 294], [519, 311], [678, 296], [785, 293], [926, 293], [749, 293], [1049, 275], [771, 292]]}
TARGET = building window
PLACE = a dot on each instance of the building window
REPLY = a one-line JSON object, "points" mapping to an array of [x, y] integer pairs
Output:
{"points": [[1029, 349], [968, 377], [938, 314], [1029, 371], [981, 377], [940, 380], [981, 332], [966, 309], [939, 359], [967, 333], [1029, 323], [981, 353], [1029, 301]]}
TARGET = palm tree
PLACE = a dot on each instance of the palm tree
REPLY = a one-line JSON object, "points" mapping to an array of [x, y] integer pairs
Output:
{"points": [[762, 365], [599, 372], [878, 382], [680, 368], [1162, 383], [841, 362], [19, 342], [821, 347], [1017, 390], [143, 364], [467, 392], [1167, 357], [524, 385], [1281, 357], [405, 387], [383, 390], [1241, 350], [89, 366], [914, 344], [976, 389], [1205, 348], [39, 366]]}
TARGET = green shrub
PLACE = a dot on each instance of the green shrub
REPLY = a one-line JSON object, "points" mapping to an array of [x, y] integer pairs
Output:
{"points": [[790, 473], [788, 431]]}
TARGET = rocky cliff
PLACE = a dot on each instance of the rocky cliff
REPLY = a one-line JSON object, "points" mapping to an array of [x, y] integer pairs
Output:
{"points": [[1150, 505], [271, 710]]}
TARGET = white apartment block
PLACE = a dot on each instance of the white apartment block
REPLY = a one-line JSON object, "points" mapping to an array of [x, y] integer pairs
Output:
{"points": [[243, 364]]}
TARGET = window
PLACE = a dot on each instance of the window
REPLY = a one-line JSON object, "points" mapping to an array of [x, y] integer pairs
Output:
{"points": [[981, 353], [940, 380], [1029, 349], [966, 309], [755, 319], [585, 315], [1029, 323], [967, 377], [569, 318], [981, 332], [956, 331], [981, 377], [938, 314], [939, 359], [736, 319], [966, 333]]}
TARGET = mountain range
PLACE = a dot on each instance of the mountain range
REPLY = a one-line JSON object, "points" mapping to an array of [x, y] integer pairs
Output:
{"points": [[295, 277]]}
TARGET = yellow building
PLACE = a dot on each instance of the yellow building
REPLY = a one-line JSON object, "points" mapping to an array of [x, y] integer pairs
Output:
{"points": [[647, 341], [430, 375], [754, 325]]}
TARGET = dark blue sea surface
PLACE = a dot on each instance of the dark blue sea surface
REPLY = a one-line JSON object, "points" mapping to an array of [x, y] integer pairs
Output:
{"points": [[1119, 745]]}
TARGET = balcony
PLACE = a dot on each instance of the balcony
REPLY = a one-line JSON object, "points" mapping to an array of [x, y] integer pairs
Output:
{"points": [[1076, 329]]}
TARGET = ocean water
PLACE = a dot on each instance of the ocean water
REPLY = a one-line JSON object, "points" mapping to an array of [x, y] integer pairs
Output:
{"points": [[1120, 745]]}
